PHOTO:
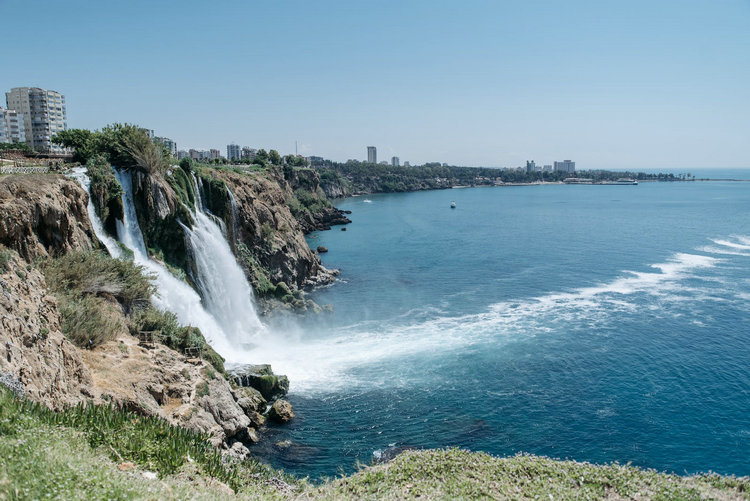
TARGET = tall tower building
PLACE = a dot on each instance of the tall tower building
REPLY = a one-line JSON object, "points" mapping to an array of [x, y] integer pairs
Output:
{"points": [[372, 155], [395, 162], [44, 115], [233, 151]]}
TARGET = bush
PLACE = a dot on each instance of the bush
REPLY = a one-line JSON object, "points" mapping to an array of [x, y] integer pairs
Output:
{"points": [[81, 281], [5, 257], [173, 335], [94, 273]]}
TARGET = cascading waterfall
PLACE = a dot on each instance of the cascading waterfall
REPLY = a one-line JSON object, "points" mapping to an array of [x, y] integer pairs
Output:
{"points": [[227, 294], [172, 293], [226, 315], [79, 174]]}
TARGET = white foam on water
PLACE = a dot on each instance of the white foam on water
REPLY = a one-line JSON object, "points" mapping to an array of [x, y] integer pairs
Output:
{"points": [[324, 364]]}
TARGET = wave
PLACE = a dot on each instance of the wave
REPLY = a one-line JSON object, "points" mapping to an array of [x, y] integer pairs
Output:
{"points": [[324, 362]]}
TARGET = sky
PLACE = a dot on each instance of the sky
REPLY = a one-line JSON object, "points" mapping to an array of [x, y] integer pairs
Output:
{"points": [[608, 84]]}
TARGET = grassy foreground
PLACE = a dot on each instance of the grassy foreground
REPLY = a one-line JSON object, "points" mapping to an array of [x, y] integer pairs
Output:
{"points": [[103, 453]]}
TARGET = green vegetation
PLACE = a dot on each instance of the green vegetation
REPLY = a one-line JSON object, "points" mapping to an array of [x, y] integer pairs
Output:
{"points": [[5, 256], [362, 177], [126, 146], [170, 333], [106, 192], [16, 146], [73, 455], [85, 283], [70, 454], [459, 474]]}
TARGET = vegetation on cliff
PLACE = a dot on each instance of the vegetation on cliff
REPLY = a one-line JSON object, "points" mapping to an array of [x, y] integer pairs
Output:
{"points": [[102, 453]]}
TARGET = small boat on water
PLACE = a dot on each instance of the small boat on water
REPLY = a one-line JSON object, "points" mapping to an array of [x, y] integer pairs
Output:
{"points": [[453, 205]]}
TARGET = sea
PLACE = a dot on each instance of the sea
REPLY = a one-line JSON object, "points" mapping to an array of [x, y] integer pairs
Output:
{"points": [[594, 323]]}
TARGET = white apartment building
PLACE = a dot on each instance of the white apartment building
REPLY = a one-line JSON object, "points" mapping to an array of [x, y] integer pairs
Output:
{"points": [[372, 155], [565, 166], [233, 151], [11, 126], [395, 162], [44, 115]]}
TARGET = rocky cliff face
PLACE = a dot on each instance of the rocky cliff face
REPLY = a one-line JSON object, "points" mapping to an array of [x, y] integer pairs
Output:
{"points": [[268, 238], [32, 348], [44, 215]]}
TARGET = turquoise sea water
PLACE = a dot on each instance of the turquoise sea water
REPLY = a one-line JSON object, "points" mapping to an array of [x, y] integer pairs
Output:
{"points": [[597, 323]]}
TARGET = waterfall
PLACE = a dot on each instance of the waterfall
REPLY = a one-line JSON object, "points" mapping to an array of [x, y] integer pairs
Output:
{"points": [[172, 293], [226, 316], [221, 280], [79, 174]]}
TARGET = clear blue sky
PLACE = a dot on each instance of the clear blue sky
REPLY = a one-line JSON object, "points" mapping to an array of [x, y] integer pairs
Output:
{"points": [[609, 84]]}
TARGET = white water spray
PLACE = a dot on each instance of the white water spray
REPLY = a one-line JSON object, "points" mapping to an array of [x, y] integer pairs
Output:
{"points": [[79, 174], [173, 294], [228, 295]]}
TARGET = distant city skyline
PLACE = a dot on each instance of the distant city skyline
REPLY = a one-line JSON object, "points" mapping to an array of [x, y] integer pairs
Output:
{"points": [[633, 85]]}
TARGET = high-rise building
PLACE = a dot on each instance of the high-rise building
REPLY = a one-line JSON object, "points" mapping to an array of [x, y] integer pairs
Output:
{"points": [[170, 145], [372, 155], [44, 115], [530, 166], [11, 126], [215, 154], [395, 162], [233, 151], [565, 166]]}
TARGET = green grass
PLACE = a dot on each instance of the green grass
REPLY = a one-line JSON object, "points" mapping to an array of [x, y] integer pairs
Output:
{"points": [[60, 453], [73, 455], [459, 474]]}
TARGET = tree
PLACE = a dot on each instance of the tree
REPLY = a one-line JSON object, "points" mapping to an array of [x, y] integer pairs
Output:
{"points": [[80, 140], [274, 157]]}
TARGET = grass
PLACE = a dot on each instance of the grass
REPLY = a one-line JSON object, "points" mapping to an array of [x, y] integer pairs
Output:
{"points": [[73, 455], [60, 454], [459, 474]]}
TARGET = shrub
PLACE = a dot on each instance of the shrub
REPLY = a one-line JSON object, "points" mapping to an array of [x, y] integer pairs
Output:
{"points": [[81, 273], [5, 256], [173, 335], [85, 321]]}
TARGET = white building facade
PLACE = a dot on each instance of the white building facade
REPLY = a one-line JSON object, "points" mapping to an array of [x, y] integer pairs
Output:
{"points": [[565, 166], [11, 126], [44, 115], [233, 151]]}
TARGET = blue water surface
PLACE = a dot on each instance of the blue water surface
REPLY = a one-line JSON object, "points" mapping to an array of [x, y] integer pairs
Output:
{"points": [[597, 323]]}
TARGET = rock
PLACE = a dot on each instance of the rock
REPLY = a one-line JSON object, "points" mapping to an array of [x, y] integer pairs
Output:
{"points": [[250, 399], [252, 436], [281, 411], [126, 466], [36, 360], [262, 379], [343, 228], [238, 450], [220, 403], [321, 249], [44, 215]]}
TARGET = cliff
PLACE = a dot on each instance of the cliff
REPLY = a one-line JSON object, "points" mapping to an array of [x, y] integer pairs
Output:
{"points": [[33, 349], [44, 215]]}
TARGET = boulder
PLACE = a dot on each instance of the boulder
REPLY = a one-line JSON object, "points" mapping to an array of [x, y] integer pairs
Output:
{"points": [[219, 402], [250, 399], [321, 249], [281, 411], [262, 378]]}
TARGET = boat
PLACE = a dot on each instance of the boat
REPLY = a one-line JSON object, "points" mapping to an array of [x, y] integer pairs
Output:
{"points": [[453, 205]]}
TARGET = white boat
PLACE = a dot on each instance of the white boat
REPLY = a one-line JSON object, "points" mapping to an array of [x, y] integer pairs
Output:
{"points": [[453, 205]]}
